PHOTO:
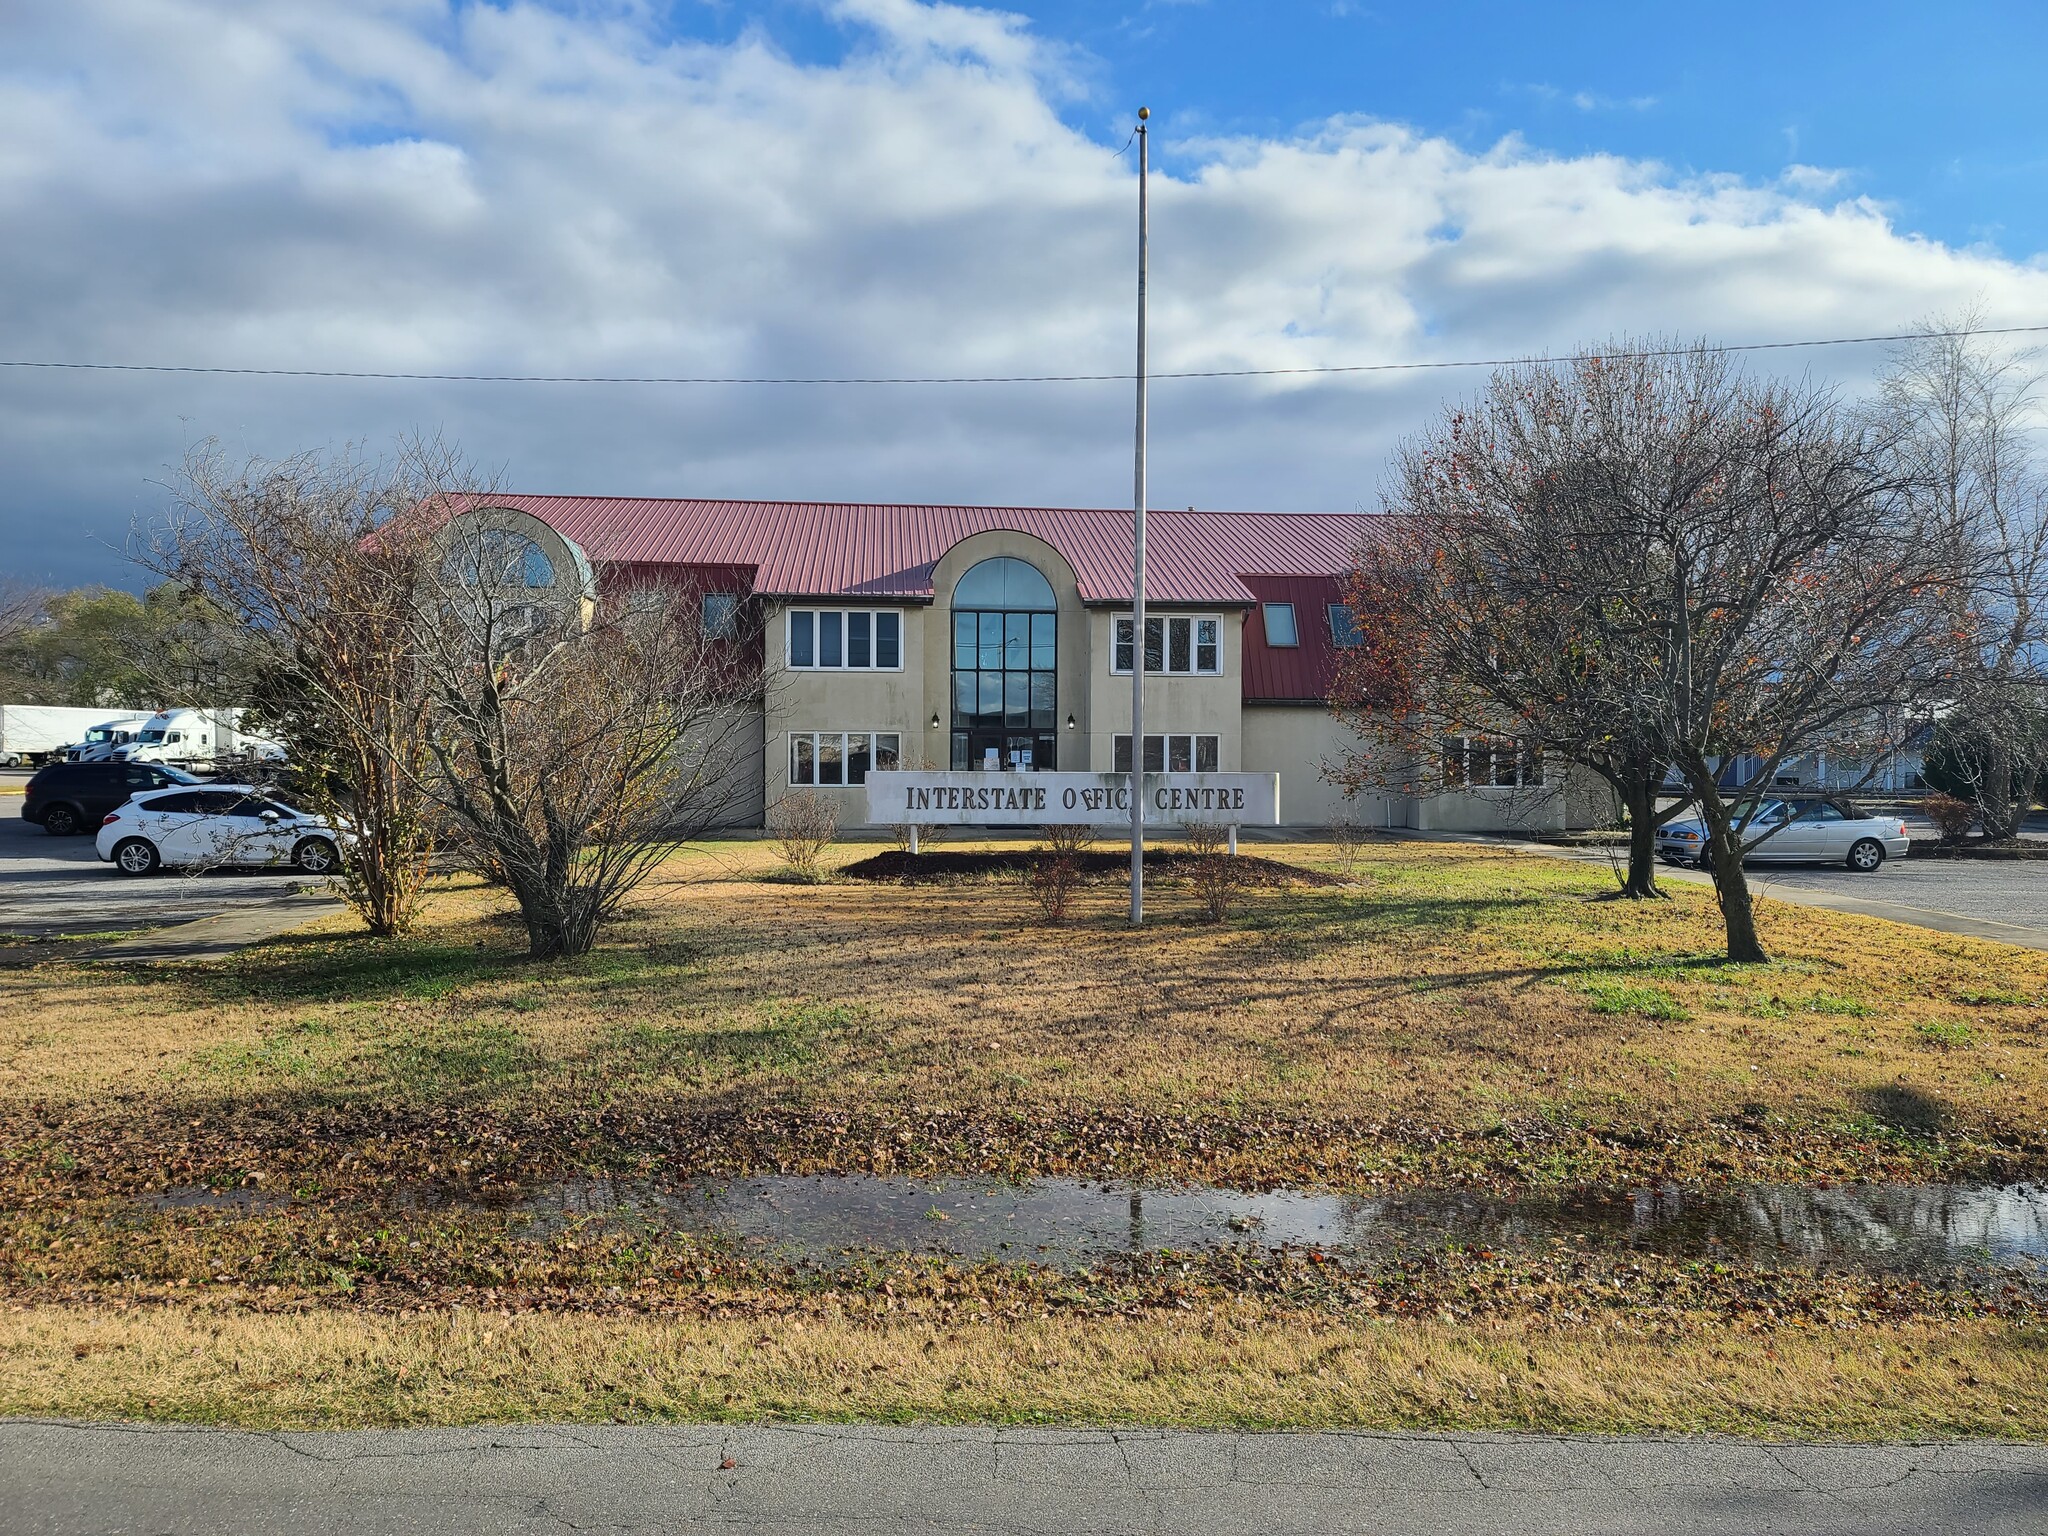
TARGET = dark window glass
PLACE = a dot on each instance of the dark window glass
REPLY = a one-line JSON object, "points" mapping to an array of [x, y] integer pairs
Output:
{"points": [[829, 759], [859, 758], [1017, 641], [959, 751], [1044, 630], [1155, 644], [1205, 754], [964, 642], [213, 802], [1280, 625], [1208, 649], [1042, 693], [1454, 759], [991, 640], [1180, 656], [1123, 655], [830, 652], [1344, 632], [1180, 755], [1155, 754], [888, 640], [887, 754], [801, 653], [1004, 583], [1017, 700], [175, 805], [720, 609], [801, 757], [1047, 752], [1123, 755], [857, 652]]}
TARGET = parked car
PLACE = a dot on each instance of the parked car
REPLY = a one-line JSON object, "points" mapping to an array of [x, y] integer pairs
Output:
{"points": [[216, 825], [72, 797], [1801, 832]]}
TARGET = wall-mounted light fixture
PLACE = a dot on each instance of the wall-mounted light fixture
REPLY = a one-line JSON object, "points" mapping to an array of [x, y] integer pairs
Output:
{"points": [[935, 719], [1070, 722]]}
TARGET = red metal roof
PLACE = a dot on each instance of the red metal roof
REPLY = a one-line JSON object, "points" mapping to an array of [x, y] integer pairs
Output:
{"points": [[1303, 671], [831, 549]]}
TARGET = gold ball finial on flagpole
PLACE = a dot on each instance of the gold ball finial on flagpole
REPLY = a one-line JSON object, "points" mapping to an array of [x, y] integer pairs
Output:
{"points": [[1144, 113]]}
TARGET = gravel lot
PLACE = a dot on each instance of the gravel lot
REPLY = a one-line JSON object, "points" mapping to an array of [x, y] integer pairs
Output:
{"points": [[53, 886]]}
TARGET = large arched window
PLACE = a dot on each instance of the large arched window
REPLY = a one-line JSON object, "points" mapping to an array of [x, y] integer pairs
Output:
{"points": [[1005, 667]]}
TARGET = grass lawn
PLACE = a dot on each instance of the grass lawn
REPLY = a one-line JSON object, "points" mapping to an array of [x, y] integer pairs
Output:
{"points": [[1450, 1016]]}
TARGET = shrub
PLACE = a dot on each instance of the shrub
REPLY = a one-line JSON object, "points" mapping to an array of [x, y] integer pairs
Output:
{"points": [[1217, 875], [1348, 838], [803, 826], [1052, 880], [1070, 840], [1952, 817]]}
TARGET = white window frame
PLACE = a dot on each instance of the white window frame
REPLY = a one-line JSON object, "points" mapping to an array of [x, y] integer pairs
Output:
{"points": [[1122, 741], [1528, 762], [817, 626], [1119, 623], [845, 739]]}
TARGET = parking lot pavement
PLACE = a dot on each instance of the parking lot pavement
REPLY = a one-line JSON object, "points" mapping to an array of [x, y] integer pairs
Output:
{"points": [[2014, 892], [54, 886]]}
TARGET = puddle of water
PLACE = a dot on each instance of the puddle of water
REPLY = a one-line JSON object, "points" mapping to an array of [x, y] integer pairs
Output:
{"points": [[1899, 1228], [198, 1197]]}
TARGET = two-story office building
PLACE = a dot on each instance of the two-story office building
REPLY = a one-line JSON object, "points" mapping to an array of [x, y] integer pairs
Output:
{"points": [[1001, 637]]}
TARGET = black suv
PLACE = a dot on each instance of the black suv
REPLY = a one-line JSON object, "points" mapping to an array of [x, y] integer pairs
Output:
{"points": [[74, 797]]}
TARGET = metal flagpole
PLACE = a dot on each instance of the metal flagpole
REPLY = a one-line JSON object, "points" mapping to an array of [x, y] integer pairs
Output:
{"points": [[1138, 558]]}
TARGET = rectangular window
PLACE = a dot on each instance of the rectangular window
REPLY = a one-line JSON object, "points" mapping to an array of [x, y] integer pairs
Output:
{"points": [[1494, 762], [841, 759], [1344, 632], [851, 640], [720, 615], [1176, 645], [1280, 625], [1174, 754]]}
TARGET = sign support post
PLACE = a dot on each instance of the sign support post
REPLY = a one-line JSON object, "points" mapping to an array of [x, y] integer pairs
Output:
{"points": [[1138, 554]]}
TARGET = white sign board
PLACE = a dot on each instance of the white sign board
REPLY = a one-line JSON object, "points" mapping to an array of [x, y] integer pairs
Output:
{"points": [[980, 798]]}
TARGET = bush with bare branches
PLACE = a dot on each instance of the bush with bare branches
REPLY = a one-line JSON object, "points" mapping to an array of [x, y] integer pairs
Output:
{"points": [[1217, 876], [803, 825]]}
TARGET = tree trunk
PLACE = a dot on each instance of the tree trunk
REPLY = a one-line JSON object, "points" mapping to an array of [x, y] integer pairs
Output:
{"points": [[1731, 884], [1640, 795], [1999, 810]]}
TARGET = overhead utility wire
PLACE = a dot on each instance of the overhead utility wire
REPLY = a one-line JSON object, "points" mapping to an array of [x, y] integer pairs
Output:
{"points": [[1003, 378]]}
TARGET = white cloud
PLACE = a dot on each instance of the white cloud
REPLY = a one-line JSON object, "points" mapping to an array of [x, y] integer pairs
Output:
{"points": [[392, 185]]}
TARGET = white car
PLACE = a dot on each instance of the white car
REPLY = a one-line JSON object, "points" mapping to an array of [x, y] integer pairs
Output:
{"points": [[1801, 832], [214, 826]]}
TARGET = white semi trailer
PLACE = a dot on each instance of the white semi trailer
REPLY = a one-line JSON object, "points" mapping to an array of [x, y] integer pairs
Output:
{"points": [[35, 733], [195, 738]]}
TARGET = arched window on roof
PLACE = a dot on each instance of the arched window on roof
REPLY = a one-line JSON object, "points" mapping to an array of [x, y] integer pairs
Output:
{"points": [[1005, 667]]}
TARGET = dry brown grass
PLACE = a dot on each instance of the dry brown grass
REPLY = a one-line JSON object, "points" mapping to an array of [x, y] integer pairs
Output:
{"points": [[1222, 1367], [1461, 988]]}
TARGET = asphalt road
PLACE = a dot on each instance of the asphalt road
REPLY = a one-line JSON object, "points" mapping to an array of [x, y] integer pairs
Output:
{"points": [[1989, 890], [53, 886], [57, 1479]]}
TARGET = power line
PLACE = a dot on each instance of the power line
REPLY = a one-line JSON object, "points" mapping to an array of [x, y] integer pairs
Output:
{"points": [[999, 378]]}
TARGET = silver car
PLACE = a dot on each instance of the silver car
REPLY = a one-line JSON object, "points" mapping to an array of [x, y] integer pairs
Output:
{"points": [[1800, 832]]}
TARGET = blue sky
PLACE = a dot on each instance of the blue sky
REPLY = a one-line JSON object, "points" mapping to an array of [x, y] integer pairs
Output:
{"points": [[914, 187], [1934, 108]]}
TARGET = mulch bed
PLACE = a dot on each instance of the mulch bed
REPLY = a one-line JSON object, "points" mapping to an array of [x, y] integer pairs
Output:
{"points": [[942, 868]]}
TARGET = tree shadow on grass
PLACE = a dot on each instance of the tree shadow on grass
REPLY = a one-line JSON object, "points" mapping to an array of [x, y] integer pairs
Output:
{"points": [[1903, 1109]]}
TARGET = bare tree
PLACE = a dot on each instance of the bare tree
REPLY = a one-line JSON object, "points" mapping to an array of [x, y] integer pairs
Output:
{"points": [[1674, 564], [577, 735], [316, 562], [21, 608], [1967, 421]]}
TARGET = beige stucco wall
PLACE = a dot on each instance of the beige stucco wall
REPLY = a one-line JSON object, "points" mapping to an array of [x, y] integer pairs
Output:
{"points": [[839, 701], [1174, 706], [1296, 741], [1578, 801]]}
